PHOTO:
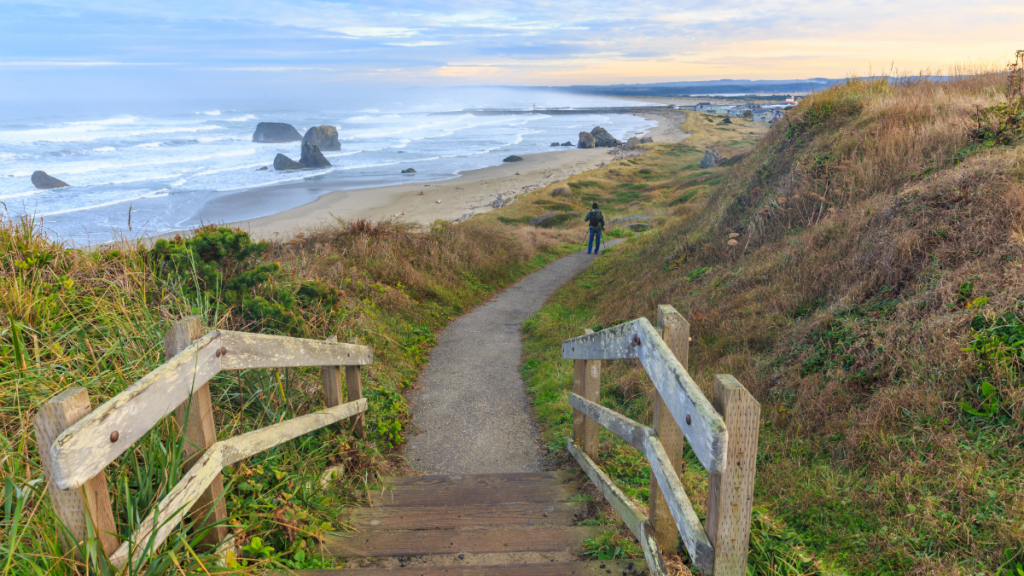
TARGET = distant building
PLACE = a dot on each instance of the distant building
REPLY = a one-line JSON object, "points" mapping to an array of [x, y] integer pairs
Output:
{"points": [[764, 115], [704, 106], [737, 111]]}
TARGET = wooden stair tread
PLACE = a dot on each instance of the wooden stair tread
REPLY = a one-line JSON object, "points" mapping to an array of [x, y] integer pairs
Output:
{"points": [[588, 568], [483, 540], [449, 517], [439, 494], [479, 480]]}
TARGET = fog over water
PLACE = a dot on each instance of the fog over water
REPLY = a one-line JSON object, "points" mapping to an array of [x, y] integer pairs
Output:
{"points": [[164, 161]]}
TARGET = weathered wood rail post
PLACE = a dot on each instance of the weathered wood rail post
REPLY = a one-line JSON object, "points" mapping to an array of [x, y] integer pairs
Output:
{"points": [[195, 417], [731, 493], [675, 331], [586, 382], [89, 505], [331, 376], [722, 435]]}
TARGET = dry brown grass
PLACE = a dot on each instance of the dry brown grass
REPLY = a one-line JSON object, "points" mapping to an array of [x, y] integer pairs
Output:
{"points": [[860, 220]]}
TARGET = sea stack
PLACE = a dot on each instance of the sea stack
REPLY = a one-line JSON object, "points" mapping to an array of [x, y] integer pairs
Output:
{"points": [[323, 137], [275, 132], [602, 139], [586, 140], [312, 158], [44, 181], [282, 162]]}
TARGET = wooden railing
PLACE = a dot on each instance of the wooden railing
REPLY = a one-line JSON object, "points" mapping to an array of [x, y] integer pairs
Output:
{"points": [[76, 443], [723, 437]]}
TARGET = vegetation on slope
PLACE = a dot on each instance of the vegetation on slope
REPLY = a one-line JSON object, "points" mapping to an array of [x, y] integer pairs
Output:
{"points": [[96, 319], [860, 272]]}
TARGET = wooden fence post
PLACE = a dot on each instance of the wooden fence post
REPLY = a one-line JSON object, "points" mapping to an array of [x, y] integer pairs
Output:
{"points": [[354, 385], [195, 417], [731, 493], [675, 331], [91, 502], [586, 382], [331, 377]]}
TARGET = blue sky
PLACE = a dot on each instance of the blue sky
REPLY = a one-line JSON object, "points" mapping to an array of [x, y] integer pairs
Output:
{"points": [[137, 45]]}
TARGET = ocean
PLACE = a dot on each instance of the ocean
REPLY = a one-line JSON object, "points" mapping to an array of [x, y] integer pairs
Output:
{"points": [[165, 166]]}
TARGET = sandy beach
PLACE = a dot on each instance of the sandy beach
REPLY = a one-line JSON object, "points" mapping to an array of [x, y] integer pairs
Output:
{"points": [[473, 192]]}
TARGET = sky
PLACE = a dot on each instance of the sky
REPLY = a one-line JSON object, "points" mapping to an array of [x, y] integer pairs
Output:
{"points": [[162, 47]]}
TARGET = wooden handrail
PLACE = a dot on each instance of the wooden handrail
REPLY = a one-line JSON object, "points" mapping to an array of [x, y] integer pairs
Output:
{"points": [[695, 539], [721, 548], [77, 443], [85, 449], [701, 424], [165, 516]]}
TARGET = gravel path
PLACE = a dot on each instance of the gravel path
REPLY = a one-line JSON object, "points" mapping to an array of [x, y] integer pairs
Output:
{"points": [[472, 415]]}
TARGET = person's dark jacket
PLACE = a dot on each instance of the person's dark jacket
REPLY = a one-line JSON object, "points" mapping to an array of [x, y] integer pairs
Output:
{"points": [[595, 218]]}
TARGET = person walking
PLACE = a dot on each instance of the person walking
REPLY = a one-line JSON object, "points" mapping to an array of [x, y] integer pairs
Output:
{"points": [[596, 220]]}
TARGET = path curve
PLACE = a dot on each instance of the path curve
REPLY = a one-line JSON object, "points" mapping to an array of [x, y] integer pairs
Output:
{"points": [[471, 411]]}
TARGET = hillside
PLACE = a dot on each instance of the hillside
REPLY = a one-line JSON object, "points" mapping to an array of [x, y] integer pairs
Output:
{"points": [[861, 273]]}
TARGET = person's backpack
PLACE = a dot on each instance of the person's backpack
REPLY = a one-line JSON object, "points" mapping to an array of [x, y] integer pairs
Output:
{"points": [[595, 217]]}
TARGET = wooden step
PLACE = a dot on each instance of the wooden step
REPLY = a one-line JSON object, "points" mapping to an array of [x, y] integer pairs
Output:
{"points": [[475, 541], [449, 517], [474, 490], [591, 568], [466, 480]]}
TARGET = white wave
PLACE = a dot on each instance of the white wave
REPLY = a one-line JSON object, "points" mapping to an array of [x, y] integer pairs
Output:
{"points": [[22, 194], [212, 113], [155, 194], [245, 118], [103, 149], [148, 145], [178, 183]]}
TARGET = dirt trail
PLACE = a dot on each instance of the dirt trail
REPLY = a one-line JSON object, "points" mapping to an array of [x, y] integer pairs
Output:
{"points": [[472, 415]]}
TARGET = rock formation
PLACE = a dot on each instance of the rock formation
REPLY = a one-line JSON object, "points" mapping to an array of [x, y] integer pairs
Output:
{"points": [[711, 158], [647, 140], [632, 143], [602, 139], [553, 144], [323, 137], [561, 191], [513, 158], [409, 171], [586, 140], [566, 143], [274, 132], [312, 158], [282, 162], [44, 181], [261, 168]]}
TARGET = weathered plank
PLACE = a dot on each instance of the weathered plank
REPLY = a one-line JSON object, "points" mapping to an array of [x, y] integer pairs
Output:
{"points": [[172, 508], [731, 493], [75, 508], [86, 448], [675, 332], [244, 350], [473, 541], [473, 496], [703, 427], [245, 445], [195, 418], [590, 568], [633, 433], [496, 480], [627, 511], [166, 516], [586, 382], [450, 517], [695, 540]]}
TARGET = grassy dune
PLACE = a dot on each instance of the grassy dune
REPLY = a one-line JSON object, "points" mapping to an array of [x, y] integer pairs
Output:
{"points": [[96, 319], [861, 273]]}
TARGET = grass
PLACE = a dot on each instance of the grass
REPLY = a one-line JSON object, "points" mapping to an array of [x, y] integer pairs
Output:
{"points": [[871, 303], [96, 319]]}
